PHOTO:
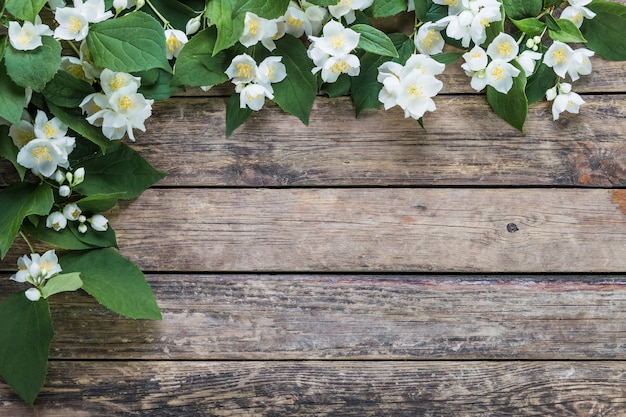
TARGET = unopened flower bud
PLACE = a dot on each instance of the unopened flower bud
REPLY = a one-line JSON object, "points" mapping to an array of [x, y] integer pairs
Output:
{"points": [[537, 39], [551, 94], [65, 191], [82, 228], [71, 211], [82, 218], [535, 48], [192, 26], [565, 88], [79, 176], [139, 4], [530, 43], [120, 5], [33, 294], [69, 177], [99, 223], [59, 177]]}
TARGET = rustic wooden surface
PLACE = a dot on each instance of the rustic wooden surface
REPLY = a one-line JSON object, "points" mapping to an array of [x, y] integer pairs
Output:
{"points": [[363, 267]]}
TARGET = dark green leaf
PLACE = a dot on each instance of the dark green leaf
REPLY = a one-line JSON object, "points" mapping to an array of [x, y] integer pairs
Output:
{"points": [[63, 239], [25, 335], [341, 87], [176, 13], [65, 90], [196, 66], [385, 8], [530, 26], [76, 121], [518, 9], [18, 201], [62, 283], [94, 238], [114, 281], [543, 79], [235, 115], [229, 29], [25, 9], [161, 89], [404, 45], [375, 41], [134, 42], [297, 92], [552, 24], [421, 9], [34, 68], [121, 170], [512, 107], [493, 30], [99, 202], [447, 58], [606, 32], [366, 87], [569, 33], [262, 8], [12, 97], [9, 151]]}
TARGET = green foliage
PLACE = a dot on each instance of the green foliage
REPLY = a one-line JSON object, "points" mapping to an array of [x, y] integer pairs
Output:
{"points": [[120, 170], [235, 115], [62, 283], [12, 97], [74, 118], [134, 42], [606, 32], [229, 27], [341, 87], [513, 106], [25, 9], [161, 88], [543, 79], [70, 238], [197, 66], [176, 12], [568, 33], [65, 90], [262, 8], [25, 335], [34, 68], [422, 8], [9, 151], [375, 41], [516, 9], [114, 281], [296, 93], [530, 26], [448, 58], [99, 202], [385, 8], [366, 87], [18, 201]]}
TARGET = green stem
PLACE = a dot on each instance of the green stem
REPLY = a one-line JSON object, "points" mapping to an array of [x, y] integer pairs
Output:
{"points": [[27, 242], [74, 48], [166, 22]]}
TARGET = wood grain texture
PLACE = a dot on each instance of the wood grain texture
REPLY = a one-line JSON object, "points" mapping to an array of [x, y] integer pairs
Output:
{"points": [[368, 230], [465, 389], [287, 317]]}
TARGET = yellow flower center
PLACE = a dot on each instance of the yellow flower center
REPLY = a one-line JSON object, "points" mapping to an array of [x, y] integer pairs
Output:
{"points": [[295, 22], [24, 37], [416, 91], [505, 48], [254, 26], [431, 37], [118, 82], [51, 130], [559, 56], [498, 73], [74, 25], [244, 70], [484, 22], [337, 41], [173, 43], [46, 266], [577, 18], [452, 3], [41, 153], [126, 103], [340, 67], [271, 70]]}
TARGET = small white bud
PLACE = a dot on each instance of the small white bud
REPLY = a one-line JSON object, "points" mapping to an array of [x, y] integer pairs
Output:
{"points": [[530, 43], [192, 26], [82, 218], [59, 177], [65, 191], [537, 39], [71, 211], [99, 222], [79, 176], [565, 88], [69, 177], [551, 94], [82, 228], [535, 48], [120, 5], [139, 4], [33, 294]]}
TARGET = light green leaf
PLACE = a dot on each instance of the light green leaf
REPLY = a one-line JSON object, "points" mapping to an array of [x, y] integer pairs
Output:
{"points": [[121, 170], [196, 66], [134, 42], [512, 107], [98, 203], [518, 9], [25, 335], [65, 90], [530, 26], [606, 32], [62, 283], [385, 8], [25, 9], [229, 28], [18, 201], [552, 24], [262, 8], [324, 2], [12, 97], [76, 121], [569, 33], [34, 68], [296, 93], [9, 151], [235, 115], [114, 281], [375, 41]]}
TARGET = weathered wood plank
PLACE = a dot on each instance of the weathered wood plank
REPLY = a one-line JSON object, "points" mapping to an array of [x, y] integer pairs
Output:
{"points": [[328, 389], [242, 317]]}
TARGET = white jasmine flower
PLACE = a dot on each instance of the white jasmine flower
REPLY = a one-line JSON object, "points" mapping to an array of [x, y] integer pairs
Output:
{"points": [[336, 40], [64, 190], [89, 68], [133, 107], [22, 133], [175, 40], [27, 37], [475, 66], [565, 100], [428, 40], [459, 27], [499, 74], [73, 25], [36, 270], [580, 64], [59, 177], [558, 56], [388, 95], [99, 223], [42, 157], [72, 211], [33, 294], [296, 22], [74, 66], [482, 19], [93, 10], [48, 129], [416, 92], [271, 70], [316, 15], [335, 66], [253, 96], [503, 47], [527, 60], [56, 221], [346, 8], [114, 81], [257, 29], [424, 64], [577, 12], [242, 69]]}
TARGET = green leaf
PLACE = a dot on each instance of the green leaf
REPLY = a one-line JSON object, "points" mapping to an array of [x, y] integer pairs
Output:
{"points": [[134, 42], [530, 26], [114, 281], [25, 9], [493, 30], [99, 202], [375, 41], [569, 33], [9, 151], [552, 24], [63, 239], [385, 8], [542, 79], [229, 29], [447, 58], [18, 201], [235, 115], [65, 90], [296, 93], [421, 9], [324, 2], [404, 45], [12, 97], [366, 87], [262, 8], [512, 107], [25, 335], [161, 88], [606, 32], [76, 121], [518, 9], [176, 13], [34, 68], [120, 170], [196, 66], [341, 87], [62, 283]]}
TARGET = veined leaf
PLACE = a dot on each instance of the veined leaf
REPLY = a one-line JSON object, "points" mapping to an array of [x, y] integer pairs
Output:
{"points": [[25, 9], [375, 41], [518, 9], [569, 33], [606, 32], [12, 97], [62, 283], [262, 8], [512, 107], [9, 151], [34, 68], [196, 65]]}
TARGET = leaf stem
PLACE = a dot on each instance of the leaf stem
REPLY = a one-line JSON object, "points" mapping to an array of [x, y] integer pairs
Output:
{"points": [[27, 242], [166, 22]]}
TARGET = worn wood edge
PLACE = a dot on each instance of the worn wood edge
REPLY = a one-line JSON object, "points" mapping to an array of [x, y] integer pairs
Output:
{"points": [[416, 230], [327, 389], [305, 317]]}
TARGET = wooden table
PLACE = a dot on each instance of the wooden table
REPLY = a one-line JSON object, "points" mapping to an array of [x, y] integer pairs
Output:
{"points": [[365, 267]]}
